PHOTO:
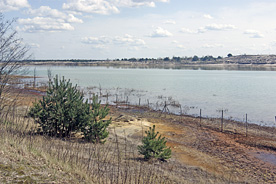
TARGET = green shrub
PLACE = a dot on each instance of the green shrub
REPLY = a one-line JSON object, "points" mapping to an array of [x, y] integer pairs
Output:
{"points": [[62, 110], [153, 146], [95, 130]]}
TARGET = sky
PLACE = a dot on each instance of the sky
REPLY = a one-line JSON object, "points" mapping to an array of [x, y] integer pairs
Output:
{"points": [[115, 29]]}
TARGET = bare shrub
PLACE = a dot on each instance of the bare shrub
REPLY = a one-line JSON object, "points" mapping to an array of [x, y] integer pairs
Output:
{"points": [[12, 52]]}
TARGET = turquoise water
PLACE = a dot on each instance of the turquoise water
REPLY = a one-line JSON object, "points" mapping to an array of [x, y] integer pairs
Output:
{"points": [[239, 92]]}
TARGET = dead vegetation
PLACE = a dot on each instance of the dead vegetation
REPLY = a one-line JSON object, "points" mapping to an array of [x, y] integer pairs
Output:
{"points": [[201, 153]]}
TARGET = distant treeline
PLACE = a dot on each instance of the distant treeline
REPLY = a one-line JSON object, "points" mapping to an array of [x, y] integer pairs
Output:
{"points": [[166, 59], [209, 59], [173, 59]]}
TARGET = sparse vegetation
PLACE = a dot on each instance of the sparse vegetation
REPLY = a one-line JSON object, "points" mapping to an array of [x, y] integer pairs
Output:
{"points": [[12, 52], [200, 154], [30, 158]]}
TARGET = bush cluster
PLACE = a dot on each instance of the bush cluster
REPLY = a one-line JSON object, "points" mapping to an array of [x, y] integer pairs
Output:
{"points": [[63, 111]]}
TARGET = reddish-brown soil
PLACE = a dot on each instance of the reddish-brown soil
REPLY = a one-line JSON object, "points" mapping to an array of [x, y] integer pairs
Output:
{"points": [[228, 154]]}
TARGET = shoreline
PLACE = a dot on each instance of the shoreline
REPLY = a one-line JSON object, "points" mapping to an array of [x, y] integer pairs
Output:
{"points": [[173, 108], [144, 109], [199, 143], [163, 65]]}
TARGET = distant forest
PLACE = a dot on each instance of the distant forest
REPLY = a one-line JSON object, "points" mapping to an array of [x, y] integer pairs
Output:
{"points": [[166, 59]]}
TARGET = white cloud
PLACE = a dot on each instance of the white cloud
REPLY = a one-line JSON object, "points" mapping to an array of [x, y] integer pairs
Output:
{"points": [[40, 24], [91, 6], [216, 27], [219, 27], [96, 40], [210, 27], [106, 7], [254, 33], [48, 19], [160, 32], [104, 41], [11, 5], [169, 22], [46, 11], [136, 3], [207, 16], [186, 30]]}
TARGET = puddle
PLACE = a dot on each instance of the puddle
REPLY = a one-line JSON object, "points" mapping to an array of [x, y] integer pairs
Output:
{"points": [[266, 157]]}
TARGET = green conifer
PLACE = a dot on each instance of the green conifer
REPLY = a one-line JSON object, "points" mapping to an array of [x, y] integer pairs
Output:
{"points": [[153, 146], [62, 110], [95, 130]]}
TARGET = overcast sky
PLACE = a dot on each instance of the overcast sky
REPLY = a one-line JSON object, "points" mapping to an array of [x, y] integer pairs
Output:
{"points": [[101, 29]]}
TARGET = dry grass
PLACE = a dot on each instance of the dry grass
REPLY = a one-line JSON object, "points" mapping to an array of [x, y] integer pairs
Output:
{"points": [[228, 156], [201, 154], [29, 158]]}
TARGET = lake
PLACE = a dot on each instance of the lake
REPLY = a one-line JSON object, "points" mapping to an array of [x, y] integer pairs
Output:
{"points": [[238, 92]]}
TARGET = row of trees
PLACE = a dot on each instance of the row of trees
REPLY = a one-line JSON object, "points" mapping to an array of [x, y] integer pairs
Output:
{"points": [[165, 59], [175, 59]]}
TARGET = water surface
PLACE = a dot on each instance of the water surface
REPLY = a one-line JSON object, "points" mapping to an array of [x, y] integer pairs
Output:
{"points": [[237, 91]]}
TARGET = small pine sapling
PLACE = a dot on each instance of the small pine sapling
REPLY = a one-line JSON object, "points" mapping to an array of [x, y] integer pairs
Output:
{"points": [[154, 146]]}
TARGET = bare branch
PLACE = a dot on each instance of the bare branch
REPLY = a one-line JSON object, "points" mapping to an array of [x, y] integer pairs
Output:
{"points": [[12, 52]]}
